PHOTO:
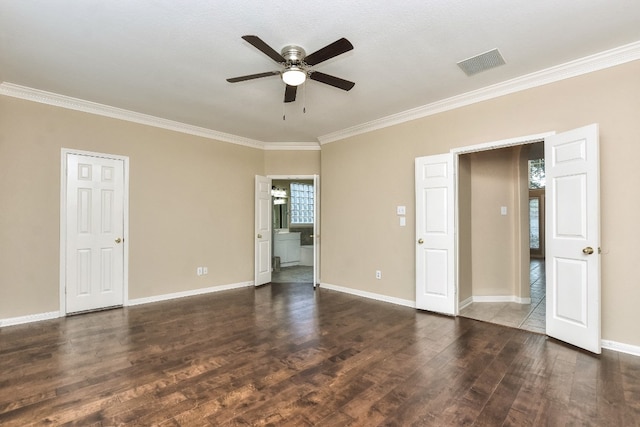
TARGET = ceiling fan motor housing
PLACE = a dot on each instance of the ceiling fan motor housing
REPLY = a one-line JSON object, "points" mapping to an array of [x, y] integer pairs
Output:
{"points": [[293, 54]]}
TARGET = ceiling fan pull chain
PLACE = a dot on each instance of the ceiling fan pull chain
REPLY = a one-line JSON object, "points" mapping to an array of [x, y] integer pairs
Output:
{"points": [[304, 98], [284, 112]]}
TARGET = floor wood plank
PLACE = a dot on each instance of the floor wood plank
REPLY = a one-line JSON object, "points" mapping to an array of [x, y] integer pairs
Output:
{"points": [[284, 354]]}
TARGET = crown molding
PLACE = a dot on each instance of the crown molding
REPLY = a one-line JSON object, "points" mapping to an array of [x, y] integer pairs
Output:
{"points": [[292, 146], [44, 97], [599, 61]]}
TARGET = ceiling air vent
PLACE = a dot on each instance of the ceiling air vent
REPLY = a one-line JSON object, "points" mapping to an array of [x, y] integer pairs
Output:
{"points": [[483, 62]]}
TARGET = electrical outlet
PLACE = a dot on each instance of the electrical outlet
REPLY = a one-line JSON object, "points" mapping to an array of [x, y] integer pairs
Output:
{"points": [[205, 270], [199, 271], [378, 274]]}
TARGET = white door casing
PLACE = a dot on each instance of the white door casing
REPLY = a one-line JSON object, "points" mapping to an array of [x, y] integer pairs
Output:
{"points": [[435, 234], [573, 231], [262, 230], [316, 230], [93, 222]]}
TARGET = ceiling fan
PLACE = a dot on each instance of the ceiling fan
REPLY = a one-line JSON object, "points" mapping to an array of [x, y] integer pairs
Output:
{"points": [[297, 65]]}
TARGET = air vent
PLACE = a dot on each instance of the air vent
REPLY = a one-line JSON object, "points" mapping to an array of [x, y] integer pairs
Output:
{"points": [[483, 62]]}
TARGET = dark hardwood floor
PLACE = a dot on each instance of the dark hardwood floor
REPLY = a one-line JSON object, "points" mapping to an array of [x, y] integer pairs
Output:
{"points": [[285, 355]]}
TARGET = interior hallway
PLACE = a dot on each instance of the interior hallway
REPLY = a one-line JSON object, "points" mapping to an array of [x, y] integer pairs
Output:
{"points": [[530, 317]]}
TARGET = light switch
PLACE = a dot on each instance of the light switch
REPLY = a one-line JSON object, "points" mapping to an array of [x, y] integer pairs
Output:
{"points": [[403, 221], [503, 210], [401, 210]]}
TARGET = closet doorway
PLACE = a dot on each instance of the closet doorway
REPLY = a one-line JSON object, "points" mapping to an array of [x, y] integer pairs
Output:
{"points": [[506, 201]]}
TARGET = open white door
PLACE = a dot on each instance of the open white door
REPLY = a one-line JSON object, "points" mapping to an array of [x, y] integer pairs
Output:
{"points": [[573, 237], [435, 238], [316, 230], [262, 231]]}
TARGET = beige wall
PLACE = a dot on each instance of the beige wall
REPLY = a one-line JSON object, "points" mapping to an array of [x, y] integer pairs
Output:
{"points": [[288, 162], [366, 176], [192, 198], [465, 254], [499, 243], [191, 204]]}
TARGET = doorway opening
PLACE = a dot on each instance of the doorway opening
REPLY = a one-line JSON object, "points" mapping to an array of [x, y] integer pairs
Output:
{"points": [[501, 204], [293, 226]]}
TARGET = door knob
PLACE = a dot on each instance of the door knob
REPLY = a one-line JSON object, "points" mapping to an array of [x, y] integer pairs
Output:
{"points": [[118, 240], [259, 236], [588, 250], [420, 241]]}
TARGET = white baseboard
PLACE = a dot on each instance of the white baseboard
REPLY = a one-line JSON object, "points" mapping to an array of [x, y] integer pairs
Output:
{"points": [[465, 303], [621, 347], [633, 350], [190, 293], [370, 295], [12, 321], [500, 298]]}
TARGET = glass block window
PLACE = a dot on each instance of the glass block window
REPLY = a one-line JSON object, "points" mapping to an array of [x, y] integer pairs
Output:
{"points": [[301, 203]]}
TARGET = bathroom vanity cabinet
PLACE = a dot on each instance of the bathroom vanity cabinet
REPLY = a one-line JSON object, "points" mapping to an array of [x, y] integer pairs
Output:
{"points": [[287, 247]]}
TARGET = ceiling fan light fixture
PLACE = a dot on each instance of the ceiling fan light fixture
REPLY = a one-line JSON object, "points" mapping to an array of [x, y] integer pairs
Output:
{"points": [[294, 76]]}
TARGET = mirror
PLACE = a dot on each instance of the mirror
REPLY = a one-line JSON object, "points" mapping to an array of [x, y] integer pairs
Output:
{"points": [[280, 216]]}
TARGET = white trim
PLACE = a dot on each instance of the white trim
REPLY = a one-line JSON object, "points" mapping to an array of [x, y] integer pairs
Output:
{"points": [[44, 97], [370, 295], [503, 143], [12, 321], [501, 298], [589, 64], [191, 293], [63, 222], [291, 146], [289, 177], [621, 347], [464, 304], [596, 62]]}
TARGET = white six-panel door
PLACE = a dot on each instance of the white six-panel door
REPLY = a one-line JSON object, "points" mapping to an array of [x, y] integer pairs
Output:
{"points": [[94, 254], [435, 237], [573, 237], [262, 230]]}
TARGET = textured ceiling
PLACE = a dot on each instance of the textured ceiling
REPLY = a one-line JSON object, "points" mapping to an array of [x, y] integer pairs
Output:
{"points": [[170, 59]]}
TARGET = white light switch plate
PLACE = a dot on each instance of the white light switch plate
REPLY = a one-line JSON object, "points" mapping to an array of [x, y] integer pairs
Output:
{"points": [[503, 210], [401, 210], [403, 221]]}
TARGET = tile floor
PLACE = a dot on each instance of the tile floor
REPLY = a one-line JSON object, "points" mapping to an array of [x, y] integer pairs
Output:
{"points": [[295, 274], [530, 317]]}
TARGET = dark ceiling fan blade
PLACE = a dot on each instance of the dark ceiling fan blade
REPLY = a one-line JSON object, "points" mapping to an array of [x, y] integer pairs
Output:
{"points": [[264, 48], [290, 93], [332, 80], [336, 48], [252, 76]]}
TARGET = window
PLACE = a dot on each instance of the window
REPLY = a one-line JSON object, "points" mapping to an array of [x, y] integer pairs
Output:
{"points": [[536, 174], [301, 203]]}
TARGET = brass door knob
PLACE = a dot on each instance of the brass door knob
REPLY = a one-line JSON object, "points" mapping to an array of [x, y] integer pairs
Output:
{"points": [[118, 240], [259, 236], [588, 250], [420, 241]]}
